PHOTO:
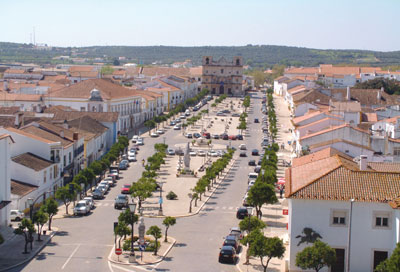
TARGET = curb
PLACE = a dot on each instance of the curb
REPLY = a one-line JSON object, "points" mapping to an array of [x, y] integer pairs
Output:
{"points": [[138, 264], [31, 257], [202, 205]]}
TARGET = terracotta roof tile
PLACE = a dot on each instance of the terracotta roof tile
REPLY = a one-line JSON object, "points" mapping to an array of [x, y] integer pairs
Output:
{"points": [[32, 161], [30, 135], [107, 117], [393, 167], [47, 135], [9, 110]]}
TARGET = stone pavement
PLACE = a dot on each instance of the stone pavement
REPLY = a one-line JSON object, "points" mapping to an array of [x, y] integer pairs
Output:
{"points": [[11, 250], [144, 258]]}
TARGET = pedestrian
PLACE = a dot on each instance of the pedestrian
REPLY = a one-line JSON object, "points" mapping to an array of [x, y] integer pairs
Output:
{"points": [[281, 191], [143, 162]]}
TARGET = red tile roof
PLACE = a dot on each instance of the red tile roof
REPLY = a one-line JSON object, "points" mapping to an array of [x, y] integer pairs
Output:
{"points": [[319, 155]]}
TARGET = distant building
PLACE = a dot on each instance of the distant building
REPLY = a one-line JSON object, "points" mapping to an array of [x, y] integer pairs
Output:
{"points": [[222, 76]]}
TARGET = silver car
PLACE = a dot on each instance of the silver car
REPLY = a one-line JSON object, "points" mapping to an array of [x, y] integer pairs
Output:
{"points": [[81, 208], [91, 201]]}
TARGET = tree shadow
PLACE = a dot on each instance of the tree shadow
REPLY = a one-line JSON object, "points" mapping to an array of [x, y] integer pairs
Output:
{"points": [[42, 256]]}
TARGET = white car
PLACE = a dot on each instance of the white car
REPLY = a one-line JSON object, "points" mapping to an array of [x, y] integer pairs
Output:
{"points": [[154, 135], [91, 201], [160, 131], [140, 141], [16, 215], [134, 138], [242, 147], [193, 153], [213, 154], [110, 181], [201, 153], [131, 157], [82, 208], [105, 184], [177, 127]]}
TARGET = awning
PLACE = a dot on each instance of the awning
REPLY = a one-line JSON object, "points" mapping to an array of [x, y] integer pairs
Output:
{"points": [[4, 203]]}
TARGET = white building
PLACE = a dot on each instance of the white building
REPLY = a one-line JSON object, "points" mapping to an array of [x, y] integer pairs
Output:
{"points": [[328, 194], [278, 87], [99, 95], [5, 178]]}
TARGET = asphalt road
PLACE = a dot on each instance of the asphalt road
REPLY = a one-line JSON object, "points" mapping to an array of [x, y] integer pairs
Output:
{"points": [[84, 243]]}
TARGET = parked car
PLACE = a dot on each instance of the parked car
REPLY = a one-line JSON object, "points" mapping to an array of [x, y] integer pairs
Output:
{"points": [[122, 166], [196, 135], [232, 137], [235, 231], [182, 117], [98, 194], [179, 152], [207, 135], [16, 215], [172, 123], [177, 127], [257, 169], [254, 152], [256, 120], [231, 240], [140, 141], [242, 154], [134, 138], [154, 135], [160, 131], [193, 153], [131, 157], [91, 201], [111, 181], [225, 137], [177, 121], [242, 147], [189, 135], [105, 184], [201, 153], [227, 254], [102, 188], [121, 201], [170, 151], [125, 189], [239, 137], [251, 183], [252, 176], [115, 173], [215, 136], [252, 162], [241, 213], [220, 113], [235, 114], [81, 208], [213, 153]]}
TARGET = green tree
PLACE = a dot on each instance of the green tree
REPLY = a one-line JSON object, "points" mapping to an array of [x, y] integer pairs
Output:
{"points": [[154, 231], [122, 230], [168, 222], [65, 196], [149, 124], [107, 70], [316, 256], [126, 217], [80, 178], [392, 264], [261, 193], [25, 228], [97, 168], [253, 226], [265, 247], [51, 208], [89, 175], [143, 189], [40, 218]]}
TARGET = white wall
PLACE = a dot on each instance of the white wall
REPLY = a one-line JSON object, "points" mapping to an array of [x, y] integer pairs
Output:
{"points": [[302, 109], [316, 214], [5, 182]]}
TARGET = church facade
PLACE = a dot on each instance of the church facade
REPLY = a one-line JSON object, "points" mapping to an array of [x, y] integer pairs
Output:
{"points": [[222, 76]]}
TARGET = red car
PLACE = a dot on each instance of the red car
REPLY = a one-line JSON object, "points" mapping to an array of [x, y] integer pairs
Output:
{"points": [[125, 189], [232, 137], [207, 135]]}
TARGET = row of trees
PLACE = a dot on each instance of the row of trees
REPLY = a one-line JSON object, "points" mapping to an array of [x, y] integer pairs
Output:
{"points": [[150, 124], [212, 173], [271, 114], [68, 193], [242, 125], [219, 100]]}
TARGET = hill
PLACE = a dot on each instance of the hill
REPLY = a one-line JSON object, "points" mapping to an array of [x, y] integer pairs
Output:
{"points": [[254, 55]]}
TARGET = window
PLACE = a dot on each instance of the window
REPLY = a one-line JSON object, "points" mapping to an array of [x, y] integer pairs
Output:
{"points": [[207, 61], [69, 158], [44, 176], [396, 151], [55, 171], [381, 219], [237, 61], [338, 218], [82, 108], [222, 71], [379, 256]]}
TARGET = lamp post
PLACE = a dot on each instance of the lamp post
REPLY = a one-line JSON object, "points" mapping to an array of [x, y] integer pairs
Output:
{"points": [[249, 212], [132, 208], [349, 235], [160, 201]]}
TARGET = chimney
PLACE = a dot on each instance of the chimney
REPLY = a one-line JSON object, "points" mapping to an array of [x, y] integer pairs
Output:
{"points": [[65, 124], [363, 162], [62, 133], [348, 94], [379, 95], [75, 136]]}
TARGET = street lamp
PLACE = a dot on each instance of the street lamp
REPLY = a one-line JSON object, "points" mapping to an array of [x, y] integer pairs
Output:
{"points": [[160, 211], [349, 235], [30, 203], [132, 208], [249, 212]]}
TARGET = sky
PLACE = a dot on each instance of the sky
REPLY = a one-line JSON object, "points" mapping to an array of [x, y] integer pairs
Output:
{"points": [[334, 24]]}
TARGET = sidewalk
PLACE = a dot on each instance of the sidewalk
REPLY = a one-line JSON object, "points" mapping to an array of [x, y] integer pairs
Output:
{"points": [[148, 257], [11, 250]]}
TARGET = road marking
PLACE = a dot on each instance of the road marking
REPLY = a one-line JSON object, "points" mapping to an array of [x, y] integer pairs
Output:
{"points": [[70, 256], [230, 208]]}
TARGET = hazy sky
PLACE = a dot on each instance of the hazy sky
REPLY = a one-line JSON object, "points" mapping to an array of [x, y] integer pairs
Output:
{"points": [[337, 24]]}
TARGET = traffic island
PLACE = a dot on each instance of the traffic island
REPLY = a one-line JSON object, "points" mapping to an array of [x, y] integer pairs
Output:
{"points": [[142, 257]]}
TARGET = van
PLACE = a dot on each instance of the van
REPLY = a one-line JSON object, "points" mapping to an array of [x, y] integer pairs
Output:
{"points": [[253, 176]]}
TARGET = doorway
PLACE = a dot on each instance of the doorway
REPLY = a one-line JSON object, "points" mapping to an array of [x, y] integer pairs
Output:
{"points": [[221, 89], [338, 266]]}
